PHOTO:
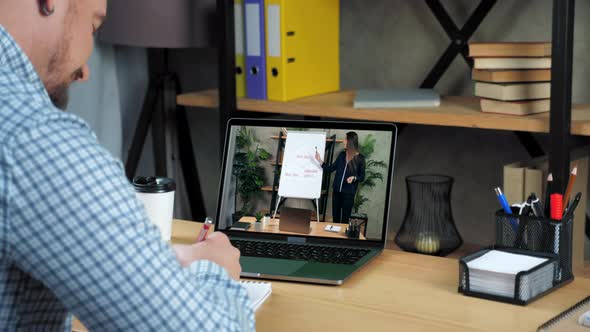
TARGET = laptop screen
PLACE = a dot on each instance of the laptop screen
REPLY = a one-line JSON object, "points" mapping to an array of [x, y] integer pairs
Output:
{"points": [[307, 178]]}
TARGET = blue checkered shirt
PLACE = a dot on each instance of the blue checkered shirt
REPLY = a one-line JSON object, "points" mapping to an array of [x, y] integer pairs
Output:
{"points": [[75, 240]]}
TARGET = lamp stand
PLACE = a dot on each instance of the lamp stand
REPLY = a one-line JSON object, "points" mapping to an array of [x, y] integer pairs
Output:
{"points": [[161, 112]]}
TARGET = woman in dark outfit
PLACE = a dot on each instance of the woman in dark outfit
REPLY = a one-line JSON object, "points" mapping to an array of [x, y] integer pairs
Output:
{"points": [[350, 170]]}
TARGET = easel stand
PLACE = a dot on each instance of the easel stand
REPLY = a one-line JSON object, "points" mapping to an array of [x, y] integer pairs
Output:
{"points": [[275, 202]]}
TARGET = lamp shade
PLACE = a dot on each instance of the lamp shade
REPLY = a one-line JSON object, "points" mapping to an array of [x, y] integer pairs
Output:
{"points": [[159, 23]]}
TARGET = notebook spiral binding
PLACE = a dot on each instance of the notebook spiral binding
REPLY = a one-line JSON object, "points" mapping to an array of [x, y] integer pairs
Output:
{"points": [[550, 323]]}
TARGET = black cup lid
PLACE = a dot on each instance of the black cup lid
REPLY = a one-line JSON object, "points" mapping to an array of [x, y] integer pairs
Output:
{"points": [[153, 184]]}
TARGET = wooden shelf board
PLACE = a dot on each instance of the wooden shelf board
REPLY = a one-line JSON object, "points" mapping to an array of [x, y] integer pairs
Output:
{"points": [[454, 112], [327, 139]]}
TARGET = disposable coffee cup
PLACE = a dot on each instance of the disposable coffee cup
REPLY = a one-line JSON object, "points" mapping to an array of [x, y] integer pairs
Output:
{"points": [[157, 196]]}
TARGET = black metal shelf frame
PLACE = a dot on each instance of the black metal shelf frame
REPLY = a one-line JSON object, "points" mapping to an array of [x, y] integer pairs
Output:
{"points": [[561, 73]]}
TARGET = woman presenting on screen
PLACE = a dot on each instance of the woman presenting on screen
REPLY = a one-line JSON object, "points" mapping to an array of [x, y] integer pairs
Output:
{"points": [[350, 170]]}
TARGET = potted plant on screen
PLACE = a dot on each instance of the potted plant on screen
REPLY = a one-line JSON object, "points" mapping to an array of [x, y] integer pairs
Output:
{"points": [[372, 175], [248, 173], [259, 225]]}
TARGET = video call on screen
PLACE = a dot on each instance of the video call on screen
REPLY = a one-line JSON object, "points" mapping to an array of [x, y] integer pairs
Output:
{"points": [[306, 181]]}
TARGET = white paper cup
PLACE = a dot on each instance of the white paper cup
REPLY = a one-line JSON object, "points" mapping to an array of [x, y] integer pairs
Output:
{"points": [[157, 196]]}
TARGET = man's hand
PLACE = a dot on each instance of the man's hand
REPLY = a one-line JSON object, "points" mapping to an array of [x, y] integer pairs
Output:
{"points": [[350, 179], [216, 248]]}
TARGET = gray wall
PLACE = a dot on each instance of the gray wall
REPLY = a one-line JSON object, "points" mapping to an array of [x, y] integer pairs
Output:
{"points": [[394, 43], [111, 99], [97, 101]]}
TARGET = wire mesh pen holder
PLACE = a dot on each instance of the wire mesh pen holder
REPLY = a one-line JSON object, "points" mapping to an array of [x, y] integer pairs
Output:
{"points": [[538, 235], [534, 236]]}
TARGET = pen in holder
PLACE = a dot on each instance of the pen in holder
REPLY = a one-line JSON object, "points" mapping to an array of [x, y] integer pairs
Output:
{"points": [[353, 231]]}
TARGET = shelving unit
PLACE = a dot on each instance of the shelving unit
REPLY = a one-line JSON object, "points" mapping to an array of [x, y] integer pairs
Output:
{"points": [[563, 120], [559, 123]]}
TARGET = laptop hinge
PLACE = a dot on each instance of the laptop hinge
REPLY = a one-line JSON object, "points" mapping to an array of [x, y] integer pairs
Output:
{"points": [[296, 239]]}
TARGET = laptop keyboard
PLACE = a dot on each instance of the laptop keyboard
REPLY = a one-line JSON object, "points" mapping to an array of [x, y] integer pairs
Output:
{"points": [[300, 252]]}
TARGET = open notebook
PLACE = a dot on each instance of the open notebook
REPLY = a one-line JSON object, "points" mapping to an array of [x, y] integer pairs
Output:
{"points": [[567, 321], [258, 292]]}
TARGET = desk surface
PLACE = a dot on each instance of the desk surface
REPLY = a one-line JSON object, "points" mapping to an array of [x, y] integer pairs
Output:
{"points": [[397, 291], [317, 228]]}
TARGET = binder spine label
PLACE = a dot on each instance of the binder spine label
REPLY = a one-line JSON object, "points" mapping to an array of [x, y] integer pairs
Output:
{"points": [[239, 28], [274, 30], [253, 45]]}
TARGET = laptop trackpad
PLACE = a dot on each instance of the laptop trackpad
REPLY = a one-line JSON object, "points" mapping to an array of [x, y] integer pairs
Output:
{"points": [[325, 271], [271, 266]]}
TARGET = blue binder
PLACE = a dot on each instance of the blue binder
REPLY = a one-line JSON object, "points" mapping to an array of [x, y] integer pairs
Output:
{"points": [[255, 50]]}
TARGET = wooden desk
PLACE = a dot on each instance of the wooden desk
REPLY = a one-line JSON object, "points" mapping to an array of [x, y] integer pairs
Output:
{"points": [[317, 228], [397, 291]]}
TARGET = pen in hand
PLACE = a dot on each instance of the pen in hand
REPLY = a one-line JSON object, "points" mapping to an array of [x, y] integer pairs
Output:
{"points": [[203, 233]]}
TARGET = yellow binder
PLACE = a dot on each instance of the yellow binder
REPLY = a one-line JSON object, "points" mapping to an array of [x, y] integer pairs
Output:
{"points": [[240, 58], [302, 48]]}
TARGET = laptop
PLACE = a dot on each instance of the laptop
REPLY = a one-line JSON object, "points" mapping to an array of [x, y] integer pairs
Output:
{"points": [[268, 172]]}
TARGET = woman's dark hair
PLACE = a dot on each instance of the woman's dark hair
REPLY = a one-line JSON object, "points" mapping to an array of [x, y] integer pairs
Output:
{"points": [[353, 141]]}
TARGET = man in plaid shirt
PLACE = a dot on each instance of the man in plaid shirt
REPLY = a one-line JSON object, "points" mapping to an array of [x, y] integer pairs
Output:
{"points": [[73, 237]]}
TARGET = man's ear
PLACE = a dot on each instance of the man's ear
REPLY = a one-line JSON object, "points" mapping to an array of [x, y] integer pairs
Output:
{"points": [[47, 7]]}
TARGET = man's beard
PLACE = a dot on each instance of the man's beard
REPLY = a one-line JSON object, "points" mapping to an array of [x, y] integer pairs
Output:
{"points": [[59, 96], [57, 86], [58, 90]]}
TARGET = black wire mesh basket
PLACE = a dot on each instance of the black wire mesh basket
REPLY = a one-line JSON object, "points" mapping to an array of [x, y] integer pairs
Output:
{"points": [[428, 226], [534, 236]]}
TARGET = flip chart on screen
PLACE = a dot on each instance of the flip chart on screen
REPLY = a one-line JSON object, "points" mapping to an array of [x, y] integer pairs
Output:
{"points": [[301, 174]]}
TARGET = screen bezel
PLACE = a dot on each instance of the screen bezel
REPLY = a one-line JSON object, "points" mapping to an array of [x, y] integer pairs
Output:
{"points": [[314, 124]]}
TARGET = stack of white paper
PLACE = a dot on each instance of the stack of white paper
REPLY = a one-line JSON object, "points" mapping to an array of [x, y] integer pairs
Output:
{"points": [[495, 273]]}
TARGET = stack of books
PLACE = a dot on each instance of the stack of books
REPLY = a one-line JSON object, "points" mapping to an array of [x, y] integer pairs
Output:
{"points": [[512, 78]]}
